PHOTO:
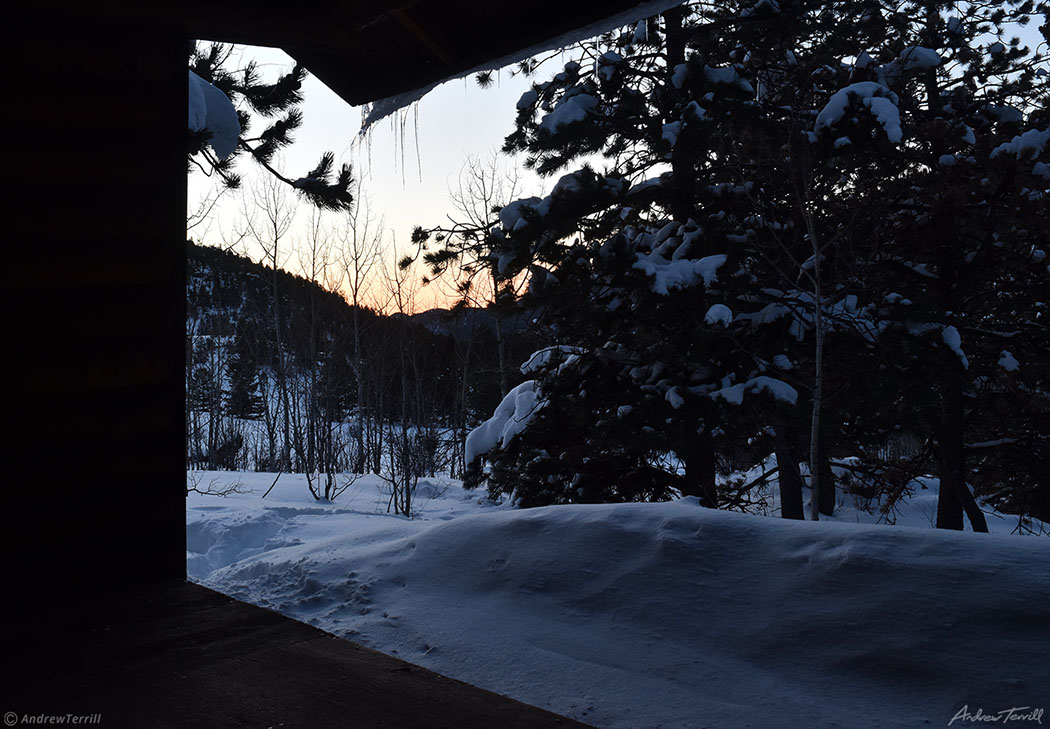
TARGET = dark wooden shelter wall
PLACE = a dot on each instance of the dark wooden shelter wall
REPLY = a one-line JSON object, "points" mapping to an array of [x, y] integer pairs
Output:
{"points": [[93, 301]]}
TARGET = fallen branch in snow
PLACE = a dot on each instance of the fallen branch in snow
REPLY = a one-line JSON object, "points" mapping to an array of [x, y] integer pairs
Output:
{"points": [[214, 488], [273, 484]]}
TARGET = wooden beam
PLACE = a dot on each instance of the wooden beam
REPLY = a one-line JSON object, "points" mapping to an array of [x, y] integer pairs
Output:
{"points": [[179, 655], [403, 17]]}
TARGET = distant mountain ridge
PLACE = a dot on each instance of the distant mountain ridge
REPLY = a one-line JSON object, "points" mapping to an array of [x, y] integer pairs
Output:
{"points": [[275, 364], [216, 275], [464, 323]]}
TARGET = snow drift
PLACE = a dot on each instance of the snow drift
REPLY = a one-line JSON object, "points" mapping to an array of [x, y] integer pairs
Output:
{"points": [[657, 615]]}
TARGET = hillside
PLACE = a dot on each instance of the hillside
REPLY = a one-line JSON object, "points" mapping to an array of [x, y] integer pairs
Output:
{"points": [[285, 375]]}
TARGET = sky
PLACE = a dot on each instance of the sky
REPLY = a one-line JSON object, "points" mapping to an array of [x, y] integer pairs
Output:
{"points": [[406, 163]]}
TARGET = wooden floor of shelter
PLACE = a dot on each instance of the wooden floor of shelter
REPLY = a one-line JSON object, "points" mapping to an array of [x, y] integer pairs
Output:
{"points": [[179, 655]]}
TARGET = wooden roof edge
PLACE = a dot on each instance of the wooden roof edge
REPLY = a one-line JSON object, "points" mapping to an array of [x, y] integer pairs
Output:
{"points": [[371, 50]]}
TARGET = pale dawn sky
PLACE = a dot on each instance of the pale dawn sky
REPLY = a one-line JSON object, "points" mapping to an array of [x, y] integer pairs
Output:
{"points": [[406, 163]]}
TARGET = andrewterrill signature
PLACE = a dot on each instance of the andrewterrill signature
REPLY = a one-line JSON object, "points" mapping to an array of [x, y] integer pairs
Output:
{"points": [[1004, 716]]}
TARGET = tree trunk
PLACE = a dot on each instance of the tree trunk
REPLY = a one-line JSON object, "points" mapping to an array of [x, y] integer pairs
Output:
{"points": [[951, 454], [816, 475], [282, 384], [699, 459], [954, 497], [973, 510], [826, 482], [790, 479], [501, 341], [459, 460], [683, 157], [270, 420]]}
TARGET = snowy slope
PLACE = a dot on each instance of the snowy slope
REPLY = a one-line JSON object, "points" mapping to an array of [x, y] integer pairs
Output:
{"points": [[653, 615]]}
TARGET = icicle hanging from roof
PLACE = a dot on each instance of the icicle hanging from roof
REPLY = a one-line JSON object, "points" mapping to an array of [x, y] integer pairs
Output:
{"points": [[385, 107]]}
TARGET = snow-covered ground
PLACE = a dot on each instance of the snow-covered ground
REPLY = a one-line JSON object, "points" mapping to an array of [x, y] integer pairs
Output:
{"points": [[655, 615]]}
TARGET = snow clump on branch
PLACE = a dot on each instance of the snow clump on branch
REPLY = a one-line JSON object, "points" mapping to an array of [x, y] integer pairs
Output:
{"points": [[211, 109]]}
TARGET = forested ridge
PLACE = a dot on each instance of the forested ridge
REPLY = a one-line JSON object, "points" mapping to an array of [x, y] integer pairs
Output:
{"points": [[344, 380]]}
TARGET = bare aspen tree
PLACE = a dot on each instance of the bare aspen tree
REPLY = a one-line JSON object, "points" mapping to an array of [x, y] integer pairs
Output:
{"points": [[315, 433], [192, 414], [815, 470], [793, 272], [358, 242], [484, 186], [463, 262], [268, 215], [402, 468]]}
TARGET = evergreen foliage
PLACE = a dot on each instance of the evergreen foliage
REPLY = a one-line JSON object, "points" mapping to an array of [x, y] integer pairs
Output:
{"points": [[243, 398], [277, 104], [818, 231]]}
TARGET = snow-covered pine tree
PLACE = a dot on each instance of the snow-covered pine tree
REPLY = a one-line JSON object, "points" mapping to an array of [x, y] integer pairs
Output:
{"points": [[277, 104], [956, 263], [640, 267], [922, 110], [243, 398], [782, 212]]}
